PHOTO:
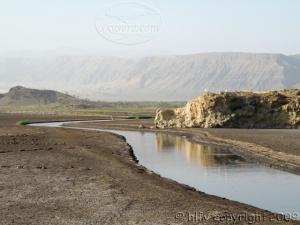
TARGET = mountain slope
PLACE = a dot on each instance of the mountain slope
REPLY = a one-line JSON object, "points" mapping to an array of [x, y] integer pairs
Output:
{"points": [[296, 56], [154, 78]]}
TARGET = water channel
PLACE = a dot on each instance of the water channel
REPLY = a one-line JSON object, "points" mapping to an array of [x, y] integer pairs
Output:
{"points": [[213, 170]]}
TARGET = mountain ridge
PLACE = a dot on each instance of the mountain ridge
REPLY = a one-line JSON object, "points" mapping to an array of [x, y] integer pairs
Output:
{"points": [[173, 77]]}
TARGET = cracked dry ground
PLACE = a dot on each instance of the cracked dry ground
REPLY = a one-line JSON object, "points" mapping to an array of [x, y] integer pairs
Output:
{"points": [[63, 176]]}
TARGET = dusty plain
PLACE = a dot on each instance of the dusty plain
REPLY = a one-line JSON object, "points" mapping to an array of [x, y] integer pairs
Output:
{"points": [[65, 176]]}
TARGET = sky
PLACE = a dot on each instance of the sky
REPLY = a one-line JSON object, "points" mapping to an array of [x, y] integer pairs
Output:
{"points": [[189, 27]]}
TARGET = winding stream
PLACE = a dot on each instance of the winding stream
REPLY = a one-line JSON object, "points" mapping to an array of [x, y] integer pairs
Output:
{"points": [[212, 170]]}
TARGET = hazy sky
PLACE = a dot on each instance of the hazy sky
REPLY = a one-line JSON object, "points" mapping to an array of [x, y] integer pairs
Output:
{"points": [[191, 26]]}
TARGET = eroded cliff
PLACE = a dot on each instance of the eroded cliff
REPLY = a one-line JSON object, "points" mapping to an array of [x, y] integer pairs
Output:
{"points": [[271, 109]]}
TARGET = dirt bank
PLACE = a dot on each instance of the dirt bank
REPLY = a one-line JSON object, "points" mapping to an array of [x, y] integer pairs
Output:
{"points": [[63, 176], [275, 148]]}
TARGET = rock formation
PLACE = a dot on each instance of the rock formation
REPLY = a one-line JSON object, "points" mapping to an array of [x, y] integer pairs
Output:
{"points": [[270, 109]]}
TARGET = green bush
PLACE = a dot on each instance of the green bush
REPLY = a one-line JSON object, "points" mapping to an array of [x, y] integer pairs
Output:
{"points": [[22, 122], [146, 117], [157, 174], [140, 117], [132, 117]]}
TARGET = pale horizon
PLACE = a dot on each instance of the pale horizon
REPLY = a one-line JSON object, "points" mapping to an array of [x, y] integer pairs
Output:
{"points": [[73, 51]]}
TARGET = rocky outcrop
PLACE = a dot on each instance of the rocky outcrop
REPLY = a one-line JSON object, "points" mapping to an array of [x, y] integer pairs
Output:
{"points": [[271, 109]]}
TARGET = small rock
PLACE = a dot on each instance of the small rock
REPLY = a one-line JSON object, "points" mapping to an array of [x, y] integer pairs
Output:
{"points": [[5, 166], [41, 167]]}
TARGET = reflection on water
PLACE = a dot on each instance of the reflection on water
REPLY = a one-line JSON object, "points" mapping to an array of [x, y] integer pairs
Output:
{"points": [[201, 155], [214, 170]]}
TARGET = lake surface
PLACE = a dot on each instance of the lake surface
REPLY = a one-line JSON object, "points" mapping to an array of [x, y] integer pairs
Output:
{"points": [[213, 170]]}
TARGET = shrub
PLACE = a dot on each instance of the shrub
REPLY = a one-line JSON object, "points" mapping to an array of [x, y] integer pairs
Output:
{"points": [[132, 117], [140, 117], [146, 117], [22, 122]]}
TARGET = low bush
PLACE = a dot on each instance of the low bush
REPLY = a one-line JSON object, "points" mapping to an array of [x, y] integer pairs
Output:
{"points": [[140, 117], [146, 117], [22, 122], [132, 118]]}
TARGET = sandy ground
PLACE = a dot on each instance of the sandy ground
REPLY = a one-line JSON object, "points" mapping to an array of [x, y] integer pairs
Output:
{"points": [[64, 176]]}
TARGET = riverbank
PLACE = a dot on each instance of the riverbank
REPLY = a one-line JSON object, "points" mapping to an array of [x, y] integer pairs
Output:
{"points": [[276, 148], [279, 149], [63, 176]]}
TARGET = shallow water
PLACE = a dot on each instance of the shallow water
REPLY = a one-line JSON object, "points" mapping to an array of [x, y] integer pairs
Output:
{"points": [[214, 170]]}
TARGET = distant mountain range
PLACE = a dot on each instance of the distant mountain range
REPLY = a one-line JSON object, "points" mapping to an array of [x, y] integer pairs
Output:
{"points": [[174, 77], [296, 56]]}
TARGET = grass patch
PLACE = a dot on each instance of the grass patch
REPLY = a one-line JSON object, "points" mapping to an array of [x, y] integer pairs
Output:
{"points": [[132, 118], [22, 122], [140, 117], [157, 174], [146, 117], [130, 110]]}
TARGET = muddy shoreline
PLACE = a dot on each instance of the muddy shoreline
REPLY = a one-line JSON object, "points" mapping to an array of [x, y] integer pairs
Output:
{"points": [[279, 149], [64, 176]]}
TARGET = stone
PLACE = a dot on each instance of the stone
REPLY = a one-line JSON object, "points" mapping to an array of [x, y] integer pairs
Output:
{"points": [[141, 126]]}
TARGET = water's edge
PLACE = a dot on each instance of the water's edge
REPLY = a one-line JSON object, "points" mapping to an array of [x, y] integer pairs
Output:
{"points": [[135, 158]]}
